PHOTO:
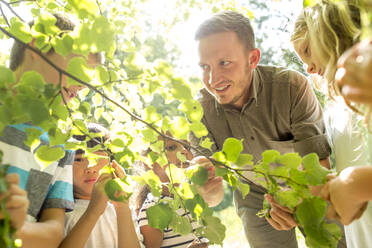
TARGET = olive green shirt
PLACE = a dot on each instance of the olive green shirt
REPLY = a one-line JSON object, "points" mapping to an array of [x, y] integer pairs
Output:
{"points": [[282, 113]]}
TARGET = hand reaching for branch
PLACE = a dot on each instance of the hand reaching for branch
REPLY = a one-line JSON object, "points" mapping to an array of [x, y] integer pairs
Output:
{"points": [[281, 218], [16, 201], [212, 191], [345, 204]]}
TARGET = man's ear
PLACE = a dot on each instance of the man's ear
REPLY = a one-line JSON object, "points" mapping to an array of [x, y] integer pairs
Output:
{"points": [[254, 57]]}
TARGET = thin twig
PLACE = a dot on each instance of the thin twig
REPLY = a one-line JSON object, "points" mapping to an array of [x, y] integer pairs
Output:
{"points": [[3, 14], [99, 7], [11, 9]]}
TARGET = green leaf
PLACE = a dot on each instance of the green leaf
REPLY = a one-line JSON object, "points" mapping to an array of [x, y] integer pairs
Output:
{"points": [[20, 30], [219, 156], [199, 129], [7, 76], [180, 90], [149, 135], [287, 198], [214, 231], [115, 186], [198, 207], [244, 159], [33, 138], [315, 173], [36, 109], [85, 108], [180, 224], [104, 35], [192, 109], [292, 160], [84, 8], [46, 24], [159, 216], [101, 74], [57, 137], [117, 145], [270, 156], [243, 187], [311, 211], [206, 143], [77, 67], [175, 174], [31, 83], [199, 176], [46, 155], [151, 115], [232, 148], [63, 46]]}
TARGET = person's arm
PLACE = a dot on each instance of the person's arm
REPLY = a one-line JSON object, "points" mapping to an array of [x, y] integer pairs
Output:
{"points": [[80, 233], [152, 237], [48, 232], [127, 236], [349, 193]]}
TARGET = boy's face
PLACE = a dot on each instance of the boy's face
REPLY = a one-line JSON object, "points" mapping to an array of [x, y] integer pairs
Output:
{"points": [[84, 176], [32, 61]]}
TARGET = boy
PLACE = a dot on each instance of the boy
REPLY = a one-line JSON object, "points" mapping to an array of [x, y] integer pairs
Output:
{"points": [[49, 191], [96, 222]]}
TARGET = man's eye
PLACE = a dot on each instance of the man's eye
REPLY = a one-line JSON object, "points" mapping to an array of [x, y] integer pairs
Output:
{"points": [[224, 62], [79, 160], [204, 67]]}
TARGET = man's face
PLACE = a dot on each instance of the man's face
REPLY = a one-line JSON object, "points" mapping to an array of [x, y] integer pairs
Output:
{"points": [[84, 176], [33, 62], [226, 71]]}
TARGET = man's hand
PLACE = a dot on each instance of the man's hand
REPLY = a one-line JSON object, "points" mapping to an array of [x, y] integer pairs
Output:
{"points": [[346, 209], [212, 191], [16, 201], [281, 218]]}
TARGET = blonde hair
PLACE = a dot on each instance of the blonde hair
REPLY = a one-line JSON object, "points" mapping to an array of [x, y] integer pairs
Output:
{"points": [[331, 28]]}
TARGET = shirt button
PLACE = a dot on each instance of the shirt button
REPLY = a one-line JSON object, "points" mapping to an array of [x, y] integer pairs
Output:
{"points": [[252, 138]]}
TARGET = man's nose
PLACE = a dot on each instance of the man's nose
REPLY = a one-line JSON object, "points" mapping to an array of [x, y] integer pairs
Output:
{"points": [[214, 77]]}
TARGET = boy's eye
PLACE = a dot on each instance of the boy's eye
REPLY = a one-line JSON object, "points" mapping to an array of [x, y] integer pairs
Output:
{"points": [[78, 159], [171, 147]]}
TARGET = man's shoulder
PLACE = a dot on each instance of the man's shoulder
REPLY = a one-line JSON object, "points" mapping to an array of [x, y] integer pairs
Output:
{"points": [[279, 74]]}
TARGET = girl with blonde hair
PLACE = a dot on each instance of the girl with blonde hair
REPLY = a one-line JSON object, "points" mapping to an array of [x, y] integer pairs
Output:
{"points": [[323, 32]]}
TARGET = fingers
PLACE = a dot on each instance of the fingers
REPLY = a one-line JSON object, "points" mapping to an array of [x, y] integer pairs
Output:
{"points": [[119, 171], [277, 205], [12, 178], [324, 193], [212, 184], [331, 212]]}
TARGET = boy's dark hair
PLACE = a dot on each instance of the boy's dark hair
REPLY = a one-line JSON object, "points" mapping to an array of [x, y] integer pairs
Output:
{"points": [[228, 21], [18, 50], [93, 128]]}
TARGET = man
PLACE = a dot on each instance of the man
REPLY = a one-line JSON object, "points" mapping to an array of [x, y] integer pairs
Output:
{"points": [[49, 191], [267, 107]]}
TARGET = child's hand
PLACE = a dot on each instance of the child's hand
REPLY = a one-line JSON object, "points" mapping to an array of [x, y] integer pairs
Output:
{"points": [[197, 244], [212, 191], [119, 173], [354, 76], [98, 200], [341, 191], [281, 218], [16, 201]]}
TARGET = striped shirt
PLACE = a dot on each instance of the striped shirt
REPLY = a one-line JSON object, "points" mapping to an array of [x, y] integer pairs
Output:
{"points": [[170, 238], [46, 188]]}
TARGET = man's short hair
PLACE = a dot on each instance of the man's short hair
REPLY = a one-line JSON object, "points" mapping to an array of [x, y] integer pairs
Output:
{"points": [[18, 50], [228, 21]]}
